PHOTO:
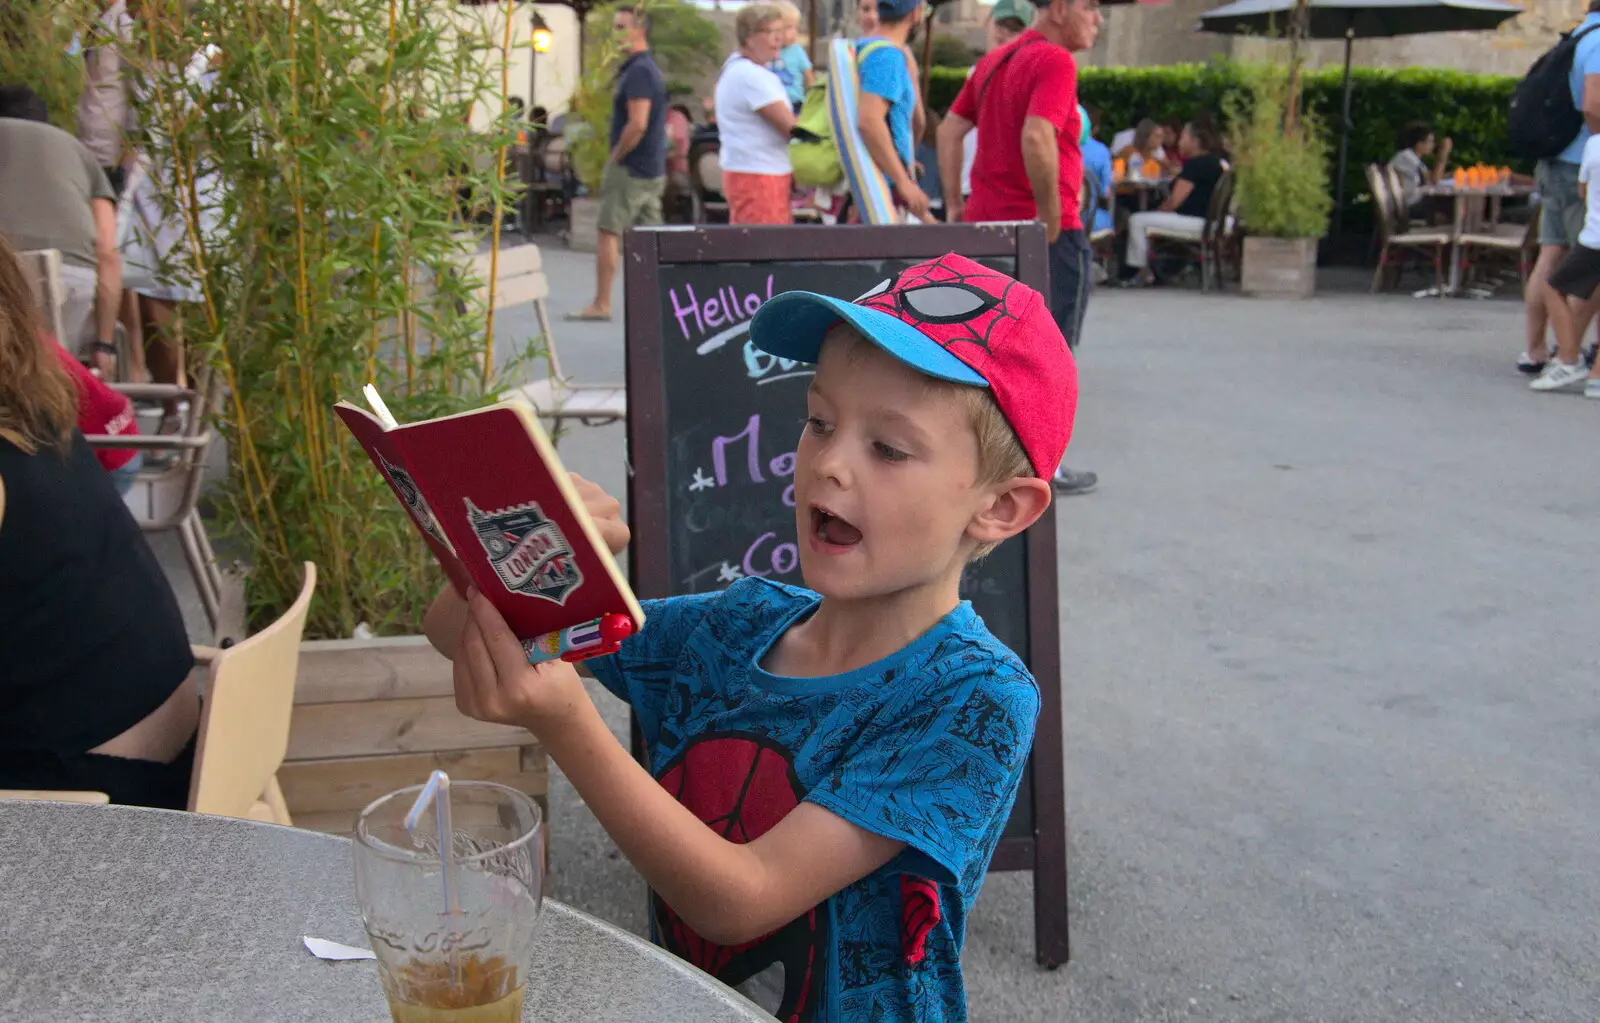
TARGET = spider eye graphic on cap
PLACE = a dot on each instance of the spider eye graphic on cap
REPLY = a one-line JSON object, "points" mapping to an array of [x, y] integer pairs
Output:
{"points": [[949, 302], [876, 289]]}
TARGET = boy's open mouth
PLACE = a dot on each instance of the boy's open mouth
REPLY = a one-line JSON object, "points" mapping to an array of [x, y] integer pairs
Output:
{"points": [[831, 529]]}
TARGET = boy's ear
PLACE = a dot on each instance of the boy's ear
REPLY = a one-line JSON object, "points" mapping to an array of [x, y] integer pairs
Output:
{"points": [[1017, 504]]}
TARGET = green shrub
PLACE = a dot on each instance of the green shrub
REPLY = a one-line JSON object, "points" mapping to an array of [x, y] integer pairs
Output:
{"points": [[1281, 177], [1470, 108], [950, 52], [36, 50]]}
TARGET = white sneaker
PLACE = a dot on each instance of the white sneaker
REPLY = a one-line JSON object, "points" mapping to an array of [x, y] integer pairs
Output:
{"points": [[1592, 388], [1558, 374]]}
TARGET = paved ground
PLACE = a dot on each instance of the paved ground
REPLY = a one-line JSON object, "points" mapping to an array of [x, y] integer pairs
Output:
{"points": [[1333, 728]]}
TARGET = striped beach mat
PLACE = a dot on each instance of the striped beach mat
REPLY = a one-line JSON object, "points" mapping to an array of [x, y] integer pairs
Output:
{"points": [[873, 195]]}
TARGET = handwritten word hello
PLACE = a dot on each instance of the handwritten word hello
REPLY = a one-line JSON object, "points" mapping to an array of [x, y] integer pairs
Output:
{"points": [[726, 307]]}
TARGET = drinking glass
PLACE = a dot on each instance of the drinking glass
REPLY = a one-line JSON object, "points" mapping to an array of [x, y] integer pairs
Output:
{"points": [[456, 949]]}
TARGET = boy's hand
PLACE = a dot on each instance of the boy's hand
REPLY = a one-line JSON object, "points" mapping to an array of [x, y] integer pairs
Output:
{"points": [[494, 681], [606, 512]]}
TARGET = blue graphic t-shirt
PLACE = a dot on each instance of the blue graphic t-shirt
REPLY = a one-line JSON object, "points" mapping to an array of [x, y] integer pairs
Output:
{"points": [[926, 747]]}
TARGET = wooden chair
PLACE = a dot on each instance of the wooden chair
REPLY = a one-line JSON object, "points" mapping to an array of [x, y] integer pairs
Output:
{"points": [[520, 280], [244, 723], [1401, 247], [1509, 243], [42, 267], [705, 179], [545, 167], [1207, 248], [1102, 243], [166, 496], [244, 719]]}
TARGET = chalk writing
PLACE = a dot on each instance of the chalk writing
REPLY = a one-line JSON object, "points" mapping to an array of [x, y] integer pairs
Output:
{"points": [[701, 481], [758, 363], [779, 467], [782, 558], [725, 307], [728, 573]]}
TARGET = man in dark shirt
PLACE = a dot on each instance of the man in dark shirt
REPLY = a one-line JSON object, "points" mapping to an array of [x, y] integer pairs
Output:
{"points": [[1183, 215], [636, 171]]}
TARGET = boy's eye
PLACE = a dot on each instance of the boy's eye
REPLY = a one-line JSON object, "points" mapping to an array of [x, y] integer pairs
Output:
{"points": [[889, 454], [820, 427]]}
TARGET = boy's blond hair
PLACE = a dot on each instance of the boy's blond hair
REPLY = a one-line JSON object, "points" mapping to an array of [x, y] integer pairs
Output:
{"points": [[791, 13], [1000, 453]]}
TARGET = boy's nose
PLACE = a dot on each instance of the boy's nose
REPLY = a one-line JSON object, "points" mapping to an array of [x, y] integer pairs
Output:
{"points": [[832, 463]]}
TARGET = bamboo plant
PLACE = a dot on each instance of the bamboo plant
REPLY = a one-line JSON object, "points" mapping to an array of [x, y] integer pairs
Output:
{"points": [[1281, 168], [321, 158]]}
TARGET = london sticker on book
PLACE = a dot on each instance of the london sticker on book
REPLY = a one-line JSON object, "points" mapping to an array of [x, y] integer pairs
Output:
{"points": [[495, 506]]}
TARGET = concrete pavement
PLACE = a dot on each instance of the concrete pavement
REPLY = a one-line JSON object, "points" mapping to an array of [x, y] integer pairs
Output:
{"points": [[1333, 728]]}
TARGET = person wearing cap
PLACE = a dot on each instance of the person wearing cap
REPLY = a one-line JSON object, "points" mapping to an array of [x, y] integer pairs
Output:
{"points": [[1025, 96], [831, 767], [1008, 19], [889, 110]]}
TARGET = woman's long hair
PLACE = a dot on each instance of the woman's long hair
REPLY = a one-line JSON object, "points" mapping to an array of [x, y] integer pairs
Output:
{"points": [[38, 404]]}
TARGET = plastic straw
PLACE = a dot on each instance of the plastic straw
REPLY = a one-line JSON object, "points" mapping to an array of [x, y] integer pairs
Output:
{"points": [[437, 792], [382, 412]]}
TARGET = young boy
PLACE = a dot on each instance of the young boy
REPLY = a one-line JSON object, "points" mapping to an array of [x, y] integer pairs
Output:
{"points": [[793, 65], [830, 768], [1576, 277]]}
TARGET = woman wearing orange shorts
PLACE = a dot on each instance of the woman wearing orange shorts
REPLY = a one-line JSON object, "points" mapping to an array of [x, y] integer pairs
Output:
{"points": [[753, 120]]}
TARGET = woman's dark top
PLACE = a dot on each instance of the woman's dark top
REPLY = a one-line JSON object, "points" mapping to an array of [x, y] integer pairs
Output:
{"points": [[1203, 171], [91, 639]]}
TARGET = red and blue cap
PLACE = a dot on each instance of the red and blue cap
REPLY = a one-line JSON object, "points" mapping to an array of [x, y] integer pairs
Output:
{"points": [[957, 320]]}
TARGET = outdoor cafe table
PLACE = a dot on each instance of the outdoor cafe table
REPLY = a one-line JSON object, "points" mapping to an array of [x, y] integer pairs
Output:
{"points": [[1143, 188], [1467, 217], [128, 914]]}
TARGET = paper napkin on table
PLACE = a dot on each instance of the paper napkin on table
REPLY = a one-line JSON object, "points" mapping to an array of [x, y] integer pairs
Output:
{"points": [[322, 948]]}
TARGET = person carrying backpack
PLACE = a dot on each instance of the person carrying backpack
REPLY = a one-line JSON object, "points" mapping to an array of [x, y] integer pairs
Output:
{"points": [[1539, 119]]}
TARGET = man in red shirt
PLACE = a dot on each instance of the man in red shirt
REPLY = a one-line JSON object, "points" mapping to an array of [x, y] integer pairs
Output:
{"points": [[1029, 166]]}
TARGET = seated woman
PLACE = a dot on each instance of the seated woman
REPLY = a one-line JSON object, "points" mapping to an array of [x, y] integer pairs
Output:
{"points": [[1184, 212], [94, 662], [1146, 145], [1411, 164]]}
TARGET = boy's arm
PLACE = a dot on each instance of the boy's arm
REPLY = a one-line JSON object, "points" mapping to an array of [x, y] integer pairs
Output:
{"points": [[727, 892]]}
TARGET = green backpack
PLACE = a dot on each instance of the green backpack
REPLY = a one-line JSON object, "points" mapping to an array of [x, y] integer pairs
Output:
{"points": [[813, 153]]}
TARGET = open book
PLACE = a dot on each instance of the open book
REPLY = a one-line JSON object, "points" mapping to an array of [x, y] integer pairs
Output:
{"points": [[497, 509]]}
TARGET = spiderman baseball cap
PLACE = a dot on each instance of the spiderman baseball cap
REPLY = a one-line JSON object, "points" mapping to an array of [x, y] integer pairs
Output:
{"points": [[957, 320]]}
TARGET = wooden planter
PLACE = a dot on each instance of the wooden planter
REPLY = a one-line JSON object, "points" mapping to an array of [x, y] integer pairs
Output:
{"points": [[583, 224], [1279, 267], [375, 715]]}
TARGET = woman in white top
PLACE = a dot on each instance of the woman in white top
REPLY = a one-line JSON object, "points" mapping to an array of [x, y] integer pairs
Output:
{"points": [[753, 120]]}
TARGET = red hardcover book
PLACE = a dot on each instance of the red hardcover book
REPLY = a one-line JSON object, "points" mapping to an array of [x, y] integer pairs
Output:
{"points": [[494, 504]]}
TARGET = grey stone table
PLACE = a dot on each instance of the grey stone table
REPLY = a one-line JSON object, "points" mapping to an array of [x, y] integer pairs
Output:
{"points": [[127, 914]]}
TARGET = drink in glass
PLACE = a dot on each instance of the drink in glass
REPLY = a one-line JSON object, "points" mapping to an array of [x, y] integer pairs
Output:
{"points": [[453, 934]]}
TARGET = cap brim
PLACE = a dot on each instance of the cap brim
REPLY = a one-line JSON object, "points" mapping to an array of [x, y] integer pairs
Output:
{"points": [[792, 326]]}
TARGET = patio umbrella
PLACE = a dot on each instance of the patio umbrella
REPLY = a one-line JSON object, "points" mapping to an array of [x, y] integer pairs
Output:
{"points": [[1358, 19]]}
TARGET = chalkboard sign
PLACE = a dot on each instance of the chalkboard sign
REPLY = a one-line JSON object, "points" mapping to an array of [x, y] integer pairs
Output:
{"points": [[712, 429]]}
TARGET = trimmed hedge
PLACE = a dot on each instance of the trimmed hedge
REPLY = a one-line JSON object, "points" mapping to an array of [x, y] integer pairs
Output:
{"points": [[1469, 108]]}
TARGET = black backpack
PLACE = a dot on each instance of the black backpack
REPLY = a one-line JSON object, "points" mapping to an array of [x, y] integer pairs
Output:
{"points": [[1542, 120]]}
